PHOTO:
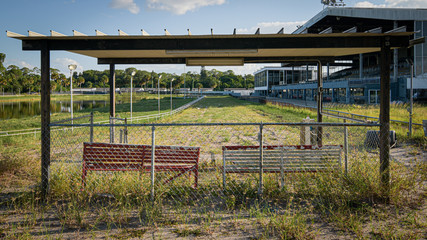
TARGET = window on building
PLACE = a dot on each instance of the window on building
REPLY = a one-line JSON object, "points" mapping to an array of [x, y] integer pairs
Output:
{"points": [[357, 92], [374, 96]]}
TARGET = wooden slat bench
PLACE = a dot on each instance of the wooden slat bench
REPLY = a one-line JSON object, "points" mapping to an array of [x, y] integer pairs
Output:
{"points": [[280, 159], [129, 157]]}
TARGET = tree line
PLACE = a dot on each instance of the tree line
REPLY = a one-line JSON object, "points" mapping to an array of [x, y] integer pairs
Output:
{"points": [[25, 80]]}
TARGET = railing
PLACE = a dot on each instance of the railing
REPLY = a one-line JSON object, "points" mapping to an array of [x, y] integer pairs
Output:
{"points": [[36, 131]]}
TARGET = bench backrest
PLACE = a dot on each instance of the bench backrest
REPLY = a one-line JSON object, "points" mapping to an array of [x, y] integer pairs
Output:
{"points": [[115, 153], [281, 158], [172, 155], [113, 156]]}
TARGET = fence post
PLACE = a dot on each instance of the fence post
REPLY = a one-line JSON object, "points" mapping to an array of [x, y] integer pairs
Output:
{"points": [[282, 177], [91, 127], [153, 150], [345, 148], [261, 170], [111, 131], [223, 170], [125, 140]]}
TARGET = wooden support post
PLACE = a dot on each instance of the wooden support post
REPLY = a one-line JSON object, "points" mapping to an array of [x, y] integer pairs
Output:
{"points": [[45, 118], [319, 102], [112, 82], [385, 114]]}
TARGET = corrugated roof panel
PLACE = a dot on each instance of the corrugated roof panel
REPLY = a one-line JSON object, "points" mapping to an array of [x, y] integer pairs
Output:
{"points": [[121, 33], [13, 35], [144, 33], [99, 33], [34, 34], [56, 34], [77, 33]]}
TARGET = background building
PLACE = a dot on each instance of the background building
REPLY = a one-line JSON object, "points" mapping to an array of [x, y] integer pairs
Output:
{"points": [[354, 79]]}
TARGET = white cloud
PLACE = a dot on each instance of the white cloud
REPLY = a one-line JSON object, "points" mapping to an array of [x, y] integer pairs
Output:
{"points": [[272, 27], [19, 63], [394, 4], [407, 3], [62, 65], [180, 7], [125, 4], [366, 4]]}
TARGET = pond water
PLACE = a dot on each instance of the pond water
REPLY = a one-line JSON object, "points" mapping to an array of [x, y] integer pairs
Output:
{"points": [[10, 110]]}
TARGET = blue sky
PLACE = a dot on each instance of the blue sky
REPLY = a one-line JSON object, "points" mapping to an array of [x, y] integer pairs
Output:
{"points": [[153, 16]]}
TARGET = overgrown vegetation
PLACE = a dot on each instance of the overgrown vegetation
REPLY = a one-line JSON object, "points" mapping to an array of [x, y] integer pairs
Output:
{"points": [[308, 206], [398, 111]]}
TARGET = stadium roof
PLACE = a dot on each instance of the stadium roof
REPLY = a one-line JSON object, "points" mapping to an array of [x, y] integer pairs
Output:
{"points": [[360, 17]]}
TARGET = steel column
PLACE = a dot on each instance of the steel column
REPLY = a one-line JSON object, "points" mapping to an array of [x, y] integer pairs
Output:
{"points": [[319, 102], [395, 58]]}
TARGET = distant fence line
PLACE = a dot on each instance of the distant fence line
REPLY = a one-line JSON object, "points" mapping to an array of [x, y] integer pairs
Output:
{"points": [[341, 114], [35, 131]]}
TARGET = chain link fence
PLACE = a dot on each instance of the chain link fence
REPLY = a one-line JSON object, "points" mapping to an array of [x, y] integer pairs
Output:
{"points": [[218, 164]]}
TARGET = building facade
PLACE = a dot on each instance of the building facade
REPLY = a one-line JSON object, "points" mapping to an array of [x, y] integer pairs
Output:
{"points": [[354, 79]]}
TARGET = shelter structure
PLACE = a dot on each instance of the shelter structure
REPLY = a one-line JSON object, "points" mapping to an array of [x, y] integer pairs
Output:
{"points": [[208, 50]]}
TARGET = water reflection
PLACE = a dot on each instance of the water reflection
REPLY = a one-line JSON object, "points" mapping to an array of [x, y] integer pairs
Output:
{"points": [[27, 109]]}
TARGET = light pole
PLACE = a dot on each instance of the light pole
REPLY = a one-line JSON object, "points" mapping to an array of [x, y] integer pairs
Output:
{"points": [[71, 67], [158, 93], [171, 94], [185, 75], [131, 90]]}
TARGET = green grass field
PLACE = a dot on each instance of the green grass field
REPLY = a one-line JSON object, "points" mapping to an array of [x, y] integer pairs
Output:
{"points": [[324, 205]]}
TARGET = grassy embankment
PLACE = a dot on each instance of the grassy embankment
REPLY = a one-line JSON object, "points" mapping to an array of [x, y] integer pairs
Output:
{"points": [[324, 205], [397, 112]]}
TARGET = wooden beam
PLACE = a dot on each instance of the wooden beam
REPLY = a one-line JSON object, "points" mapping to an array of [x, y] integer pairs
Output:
{"points": [[385, 61], [246, 60], [277, 41], [45, 117], [141, 61]]}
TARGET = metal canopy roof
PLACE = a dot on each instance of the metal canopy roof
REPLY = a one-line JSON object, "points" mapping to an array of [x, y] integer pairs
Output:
{"points": [[204, 50]]}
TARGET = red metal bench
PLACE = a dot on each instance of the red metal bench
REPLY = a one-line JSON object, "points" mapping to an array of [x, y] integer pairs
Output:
{"points": [[177, 159], [129, 157]]}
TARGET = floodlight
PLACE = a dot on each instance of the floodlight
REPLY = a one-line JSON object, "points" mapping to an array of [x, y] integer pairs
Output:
{"points": [[72, 67]]}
